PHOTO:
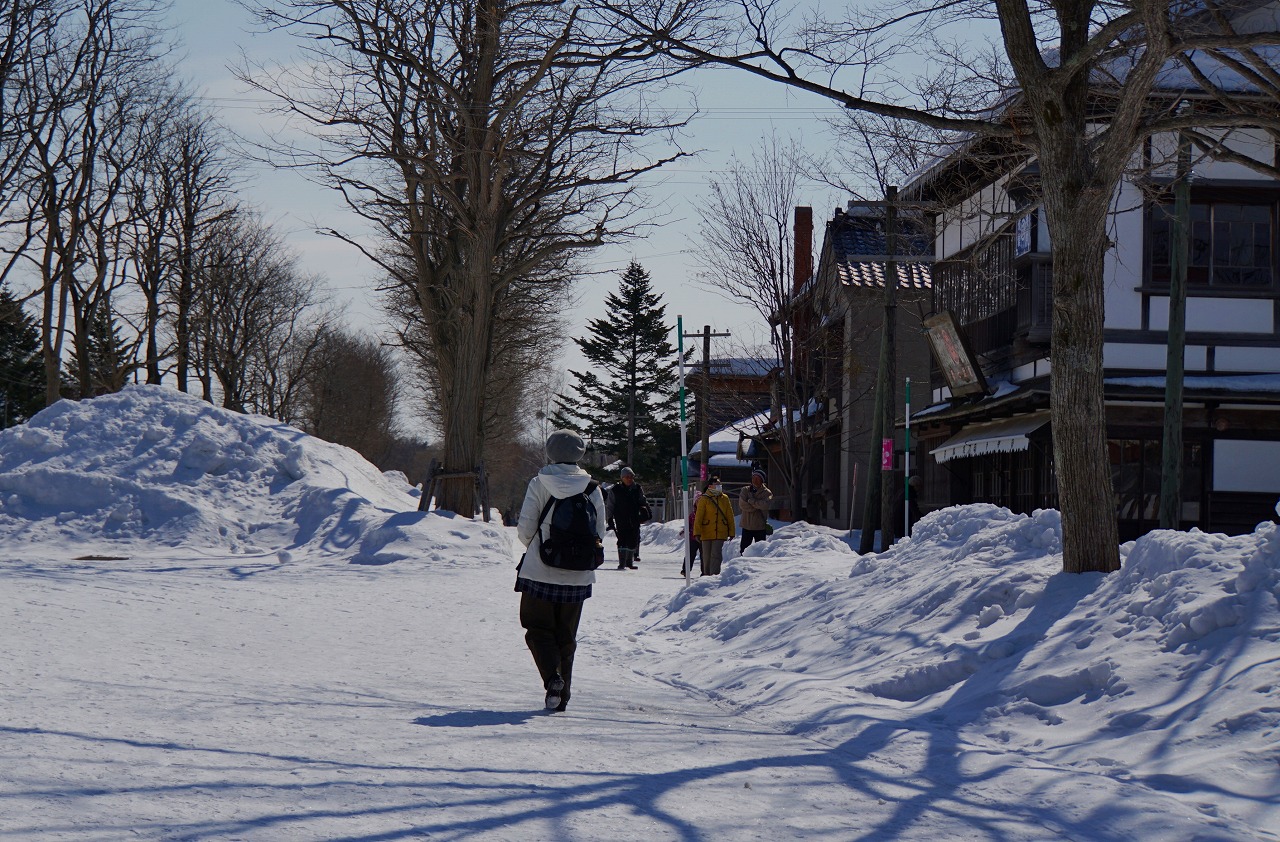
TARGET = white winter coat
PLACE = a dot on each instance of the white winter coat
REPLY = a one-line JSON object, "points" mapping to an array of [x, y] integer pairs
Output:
{"points": [[559, 480]]}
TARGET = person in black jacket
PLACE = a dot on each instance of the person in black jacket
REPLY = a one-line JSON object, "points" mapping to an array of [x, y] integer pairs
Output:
{"points": [[627, 509]]}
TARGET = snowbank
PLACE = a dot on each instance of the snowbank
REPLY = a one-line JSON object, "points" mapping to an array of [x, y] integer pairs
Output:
{"points": [[1168, 670], [151, 465]]}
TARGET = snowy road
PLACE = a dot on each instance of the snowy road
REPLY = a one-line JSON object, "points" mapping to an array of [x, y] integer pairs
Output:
{"points": [[180, 701], [175, 700], [252, 699]]}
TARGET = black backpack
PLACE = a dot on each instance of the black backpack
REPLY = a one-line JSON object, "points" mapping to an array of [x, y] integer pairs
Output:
{"points": [[574, 539]]}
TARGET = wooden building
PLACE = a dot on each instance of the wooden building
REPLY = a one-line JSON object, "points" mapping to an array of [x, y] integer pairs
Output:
{"points": [[847, 297], [987, 436]]}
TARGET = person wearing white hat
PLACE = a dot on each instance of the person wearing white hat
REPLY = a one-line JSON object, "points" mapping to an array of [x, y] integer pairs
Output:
{"points": [[551, 598]]}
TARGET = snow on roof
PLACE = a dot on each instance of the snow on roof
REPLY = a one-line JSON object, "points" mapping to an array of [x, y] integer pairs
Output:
{"points": [[1003, 388], [1173, 78], [725, 440], [738, 366], [1261, 383]]}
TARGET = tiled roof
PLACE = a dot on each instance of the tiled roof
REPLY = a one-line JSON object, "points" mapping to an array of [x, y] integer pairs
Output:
{"points": [[856, 237], [737, 366]]}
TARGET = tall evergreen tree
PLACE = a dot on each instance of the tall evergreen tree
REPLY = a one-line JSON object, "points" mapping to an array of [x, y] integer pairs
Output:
{"points": [[629, 409], [109, 358], [21, 366]]}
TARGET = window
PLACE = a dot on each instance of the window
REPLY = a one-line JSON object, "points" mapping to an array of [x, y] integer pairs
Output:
{"points": [[1230, 244], [1136, 466]]}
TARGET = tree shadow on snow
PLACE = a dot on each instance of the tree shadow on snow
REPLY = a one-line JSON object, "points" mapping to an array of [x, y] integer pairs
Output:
{"points": [[952, 787]]}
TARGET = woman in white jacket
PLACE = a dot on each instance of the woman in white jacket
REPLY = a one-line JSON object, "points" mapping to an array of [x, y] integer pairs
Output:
{"points": [[551, 598]]}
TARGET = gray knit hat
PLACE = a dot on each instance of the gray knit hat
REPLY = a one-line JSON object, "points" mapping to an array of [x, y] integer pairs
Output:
{"points": [[627, 472], [565, 446]]}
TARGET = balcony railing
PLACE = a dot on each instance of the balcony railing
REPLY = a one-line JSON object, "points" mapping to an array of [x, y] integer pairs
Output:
{"points": [[1035, 303], [995, 302]]}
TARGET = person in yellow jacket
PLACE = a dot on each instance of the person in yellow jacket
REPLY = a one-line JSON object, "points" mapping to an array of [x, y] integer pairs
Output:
{"points": [[713, 525]]}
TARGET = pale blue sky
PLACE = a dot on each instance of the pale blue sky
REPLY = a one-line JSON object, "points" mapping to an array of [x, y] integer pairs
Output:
{"points": [[739, 111]]}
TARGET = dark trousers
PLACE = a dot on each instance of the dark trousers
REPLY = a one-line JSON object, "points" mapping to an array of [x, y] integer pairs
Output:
{"points": [[749, 537], [695, 549], [628, 544], [551, 633]]}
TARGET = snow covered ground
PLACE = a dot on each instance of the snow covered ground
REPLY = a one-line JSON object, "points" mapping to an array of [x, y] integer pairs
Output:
{"points": [[215, 627]]}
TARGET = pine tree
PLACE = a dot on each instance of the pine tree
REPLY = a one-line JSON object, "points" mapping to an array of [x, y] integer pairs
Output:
{"points": [[629, 409], [108, 357], [21, 366]]}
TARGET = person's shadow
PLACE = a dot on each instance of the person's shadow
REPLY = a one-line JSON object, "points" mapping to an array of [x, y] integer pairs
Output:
{"points": [[478, 718]]}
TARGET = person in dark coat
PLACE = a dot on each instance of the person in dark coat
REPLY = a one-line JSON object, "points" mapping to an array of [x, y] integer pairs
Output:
{"points": [[627, 510]]}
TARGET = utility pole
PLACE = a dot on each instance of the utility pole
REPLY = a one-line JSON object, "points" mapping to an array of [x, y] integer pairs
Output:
{"points": [[705, 397], [1171, 456], [879, 483], [631, 406]]}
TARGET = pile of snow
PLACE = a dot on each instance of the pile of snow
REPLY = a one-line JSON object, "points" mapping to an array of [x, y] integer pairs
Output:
{"points": [[970, 636], [151, 465]]}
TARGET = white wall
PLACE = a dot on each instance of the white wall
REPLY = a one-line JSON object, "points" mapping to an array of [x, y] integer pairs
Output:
{"points": [[1251, 143], [1246, 466], [1153, 357], [1123, 267], [1221, 315], [1259, 360], [975, 219], [1244, 141]]}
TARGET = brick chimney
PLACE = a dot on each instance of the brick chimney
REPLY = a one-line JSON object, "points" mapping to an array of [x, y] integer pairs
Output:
{"points": [[802, 265]]}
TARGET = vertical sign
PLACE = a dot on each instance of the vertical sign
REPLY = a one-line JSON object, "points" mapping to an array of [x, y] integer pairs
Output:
{"points": [[886, 454]]}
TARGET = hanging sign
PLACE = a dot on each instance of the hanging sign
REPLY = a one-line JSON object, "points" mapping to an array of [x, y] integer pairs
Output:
{"points": [[955, 358], [886, 454]]}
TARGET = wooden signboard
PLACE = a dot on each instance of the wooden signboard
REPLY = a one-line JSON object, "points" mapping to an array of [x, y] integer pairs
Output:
{"points": [[957, 362]]}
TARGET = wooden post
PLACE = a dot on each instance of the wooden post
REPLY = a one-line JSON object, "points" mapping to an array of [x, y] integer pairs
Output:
{"points": [[1179, 254], [874, 510]]}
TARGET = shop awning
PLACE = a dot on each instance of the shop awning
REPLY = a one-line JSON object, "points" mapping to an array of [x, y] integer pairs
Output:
{"points": [[1003, 436]]}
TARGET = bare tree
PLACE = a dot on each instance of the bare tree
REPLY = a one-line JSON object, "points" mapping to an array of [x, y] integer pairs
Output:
{"points": [[528, 336], [179, 182], [89, 84], [282, 375], [350, 392], [251, 301], [1081, 108], [486, 139], [202, 181], [746, 248], [25, 27]]}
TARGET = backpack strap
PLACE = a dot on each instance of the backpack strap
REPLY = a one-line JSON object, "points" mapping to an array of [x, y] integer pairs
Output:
{"points": [[551, 501], [723, 519]]}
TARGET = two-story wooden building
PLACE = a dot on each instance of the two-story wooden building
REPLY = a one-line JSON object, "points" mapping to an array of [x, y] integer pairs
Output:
{"points": [[848, 295], [993, 275]]}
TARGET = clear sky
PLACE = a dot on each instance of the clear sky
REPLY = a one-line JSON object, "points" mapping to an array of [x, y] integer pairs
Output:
{"points": [[739, 111]]}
